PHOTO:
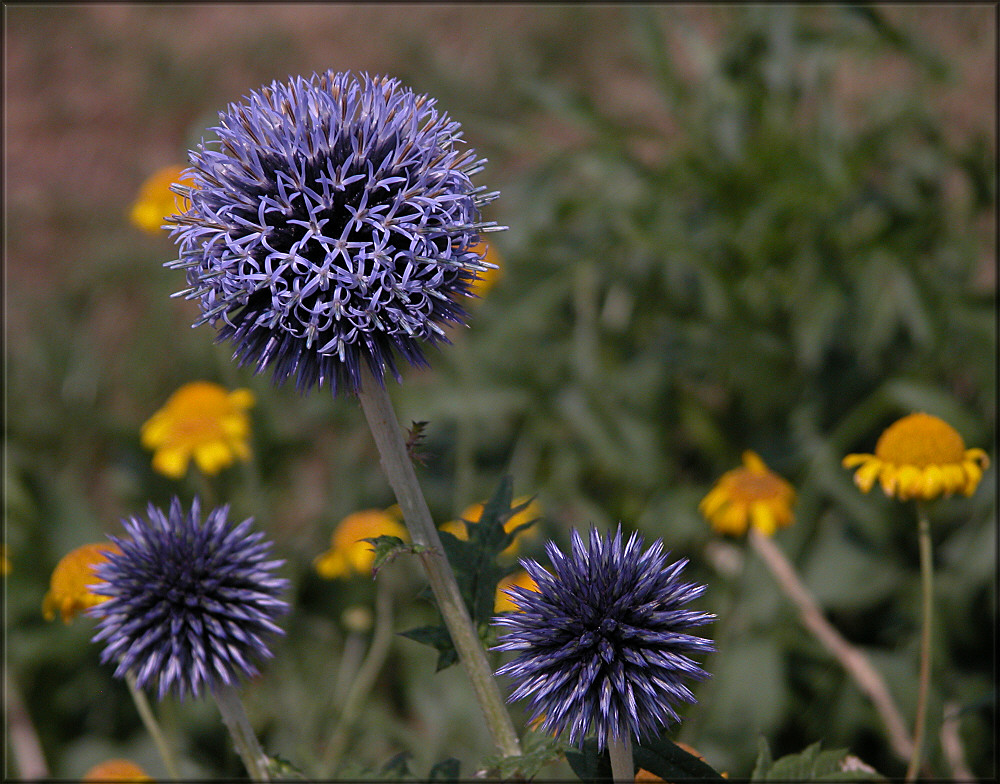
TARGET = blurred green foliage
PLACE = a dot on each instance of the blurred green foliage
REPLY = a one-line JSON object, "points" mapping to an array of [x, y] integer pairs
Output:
{"points": [[747, 260]]}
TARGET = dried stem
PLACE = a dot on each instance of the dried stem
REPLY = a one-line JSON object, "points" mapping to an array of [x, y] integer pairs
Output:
{"points": [[927, 604], [24, 744], [398, 468], [853, 660]]}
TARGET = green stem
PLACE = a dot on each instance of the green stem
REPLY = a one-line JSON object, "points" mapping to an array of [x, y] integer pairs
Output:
{"points": [[927, 591], [236, 721], [398, 468], [366, 674], [622, 766], [152, 727]]}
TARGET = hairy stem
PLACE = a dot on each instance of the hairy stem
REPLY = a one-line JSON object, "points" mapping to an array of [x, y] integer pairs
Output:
{"points": [[235, 718], [620, 751], [152, 726], [927, 591], [853, 660], [398, 468]]}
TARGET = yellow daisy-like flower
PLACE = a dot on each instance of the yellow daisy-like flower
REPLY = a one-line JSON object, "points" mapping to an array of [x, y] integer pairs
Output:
{"points": [[156, 201], [68, 592], [749, 495], [116, 770], [921, 457], [348, 553], [521, 579], [200, 420], [486, 279], [472, 514]]}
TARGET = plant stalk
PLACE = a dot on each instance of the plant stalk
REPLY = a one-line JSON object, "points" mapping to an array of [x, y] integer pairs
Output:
{"points": [[622, 766], [852, 659], [398, 467], [152, 726], [235, 718], [927, 592]]}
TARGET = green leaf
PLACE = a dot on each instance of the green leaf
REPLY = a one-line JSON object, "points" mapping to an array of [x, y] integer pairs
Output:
{"points": [[446, 770], [664, 758], [540, 749], [386, 549], [810, 764], [764, 760], [438, 638], [398, 767], [589, 764]]}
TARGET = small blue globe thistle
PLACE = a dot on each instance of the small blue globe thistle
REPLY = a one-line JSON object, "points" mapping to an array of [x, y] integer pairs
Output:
{"points": [[333, 222], [190, 604], [604, 640]]}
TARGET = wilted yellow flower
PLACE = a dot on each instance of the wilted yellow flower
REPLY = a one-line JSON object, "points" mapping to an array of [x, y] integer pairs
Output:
{"points": [[348, 554], [922, 457], [486, 279], [472, 514], [749, 495], [156, 201], [200, 420], [68, 592], [116, 770], [520, 579]]}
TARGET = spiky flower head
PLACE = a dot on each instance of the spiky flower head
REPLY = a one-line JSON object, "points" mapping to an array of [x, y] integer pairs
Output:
{"points": [[604, 638], [332, 224], [190, 603]]}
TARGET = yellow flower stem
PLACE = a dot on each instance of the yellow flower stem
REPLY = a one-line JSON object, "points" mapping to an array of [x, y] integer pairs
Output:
{"points": [[927, 611], [365, 677], [852, 659], [620, 751], [152, 727], [396, 463], [235, 718]]}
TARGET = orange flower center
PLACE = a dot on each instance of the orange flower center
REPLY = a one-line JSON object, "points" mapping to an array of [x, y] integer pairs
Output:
{"points": [[754, 486], [920, 440]]}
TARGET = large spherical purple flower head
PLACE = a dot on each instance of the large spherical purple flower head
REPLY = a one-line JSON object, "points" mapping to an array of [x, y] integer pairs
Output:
{"points": [[604, 642], [191, 604], [333, 223]]}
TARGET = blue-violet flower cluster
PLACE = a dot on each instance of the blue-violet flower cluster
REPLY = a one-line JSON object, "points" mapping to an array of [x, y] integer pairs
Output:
{"points": [[191, 604], [604, 641], [333, 223]]}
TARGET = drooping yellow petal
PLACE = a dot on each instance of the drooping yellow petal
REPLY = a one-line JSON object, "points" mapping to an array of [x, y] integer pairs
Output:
{"points": [[749, 495], [69, 588]]}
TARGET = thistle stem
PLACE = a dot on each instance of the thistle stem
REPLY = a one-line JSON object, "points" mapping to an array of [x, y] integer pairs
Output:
{"points": [[622, 766], [152, 726], [852, 659], [27, 750], [399, 470], [927, 591], [235, 718]]}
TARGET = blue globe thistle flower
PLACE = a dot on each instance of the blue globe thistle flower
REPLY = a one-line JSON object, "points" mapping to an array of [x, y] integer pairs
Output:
{"points": [[191, 603], [604, 641], [333, 222]]}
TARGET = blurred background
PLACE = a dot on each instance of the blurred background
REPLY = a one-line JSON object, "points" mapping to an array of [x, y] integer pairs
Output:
{"points": [[767, 228]]}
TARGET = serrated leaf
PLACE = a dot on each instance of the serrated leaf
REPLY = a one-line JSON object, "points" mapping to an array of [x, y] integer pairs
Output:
{"points": [[664, 758], [540, 749], [386, 548]]}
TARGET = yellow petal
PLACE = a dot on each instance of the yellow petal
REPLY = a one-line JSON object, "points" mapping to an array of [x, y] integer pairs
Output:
{"points": [[752, 462], [171, 463], [762, 518], [856, 459], [212, 457], [866, 475]]}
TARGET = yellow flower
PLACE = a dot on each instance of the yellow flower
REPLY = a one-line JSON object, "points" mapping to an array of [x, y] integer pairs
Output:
{"points": [[472, 514], [116, 770], [521, 579], [68, 591], [749, 495], [922, 457], [156, 201], [486, 279], [348, 553], [200, 420]]}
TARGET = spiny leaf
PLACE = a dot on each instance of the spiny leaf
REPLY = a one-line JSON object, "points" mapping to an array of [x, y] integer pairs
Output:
{"points": [[388, 547]]}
